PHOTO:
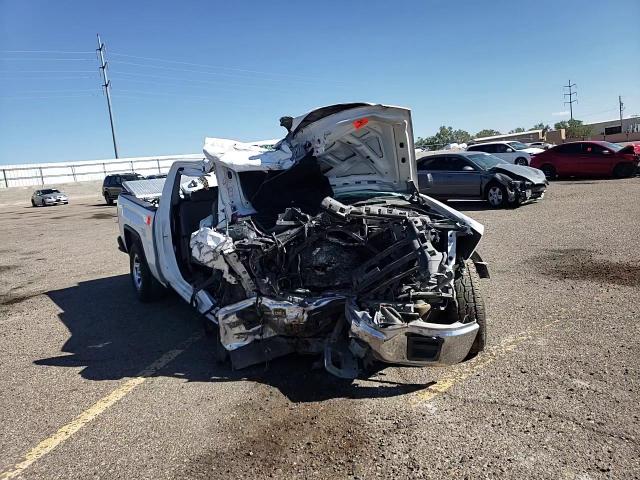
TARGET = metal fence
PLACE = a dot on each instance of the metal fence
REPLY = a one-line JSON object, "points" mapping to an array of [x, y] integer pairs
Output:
{"points": [[55, 173]]}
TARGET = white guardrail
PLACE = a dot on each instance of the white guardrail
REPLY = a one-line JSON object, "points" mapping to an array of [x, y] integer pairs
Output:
{"points": [[67, 172]]}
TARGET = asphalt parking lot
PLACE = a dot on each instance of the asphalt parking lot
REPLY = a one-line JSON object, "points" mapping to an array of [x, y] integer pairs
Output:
{"points": [[94, 384]]}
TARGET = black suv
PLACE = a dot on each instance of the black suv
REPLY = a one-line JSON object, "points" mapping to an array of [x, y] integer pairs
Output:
{"points": [[112, 185]]}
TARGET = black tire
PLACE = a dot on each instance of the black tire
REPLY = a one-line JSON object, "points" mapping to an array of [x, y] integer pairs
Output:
{"points": [[42, 204], [623, 170], [108, 199], [549, 171], [521, 161], [212, 331], [496, 195], [33, 204], [470, 305], [147, 288]]}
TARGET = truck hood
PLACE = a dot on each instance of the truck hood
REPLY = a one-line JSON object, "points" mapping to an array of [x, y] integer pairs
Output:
{"points": [[359, 146], [529, 173]]}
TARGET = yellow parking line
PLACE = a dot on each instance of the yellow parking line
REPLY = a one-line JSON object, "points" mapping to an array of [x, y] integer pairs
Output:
{"points": [[442, 386], [95, 410], [465, 370]]}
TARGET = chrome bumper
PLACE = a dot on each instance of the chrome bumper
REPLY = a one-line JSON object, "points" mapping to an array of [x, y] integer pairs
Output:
{"points": [[416, 343]]}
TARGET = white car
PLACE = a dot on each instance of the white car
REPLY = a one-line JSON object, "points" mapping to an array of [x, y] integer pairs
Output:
{"points": [[542, 145], [48, 196], [510, 151]]}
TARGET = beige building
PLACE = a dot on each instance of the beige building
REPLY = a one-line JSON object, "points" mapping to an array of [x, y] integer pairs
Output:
{"points": [[611, 131], [627, 130]]}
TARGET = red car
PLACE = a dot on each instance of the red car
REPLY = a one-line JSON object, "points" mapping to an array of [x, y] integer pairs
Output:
{"points": [[587, 159]]}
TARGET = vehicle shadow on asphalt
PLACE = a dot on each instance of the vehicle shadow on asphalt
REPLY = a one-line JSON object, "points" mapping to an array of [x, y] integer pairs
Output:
{"points": [[469, 205], [114, 336]]}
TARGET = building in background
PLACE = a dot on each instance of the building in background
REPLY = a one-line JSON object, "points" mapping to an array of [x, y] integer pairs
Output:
{"points": [[525, 137], [627, 130]]}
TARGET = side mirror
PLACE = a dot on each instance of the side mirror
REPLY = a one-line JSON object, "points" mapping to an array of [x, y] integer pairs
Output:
{"points": [[606, 152], [509, 150], [468, 168]]}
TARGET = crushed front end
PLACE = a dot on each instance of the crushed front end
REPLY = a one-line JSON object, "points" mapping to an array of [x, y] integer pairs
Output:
{"points": [[323, 245], [370, 281]]}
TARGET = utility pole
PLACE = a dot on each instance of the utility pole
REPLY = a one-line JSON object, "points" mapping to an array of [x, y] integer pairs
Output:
{"points": [[107, 89], [621, 110], [571, 94]]}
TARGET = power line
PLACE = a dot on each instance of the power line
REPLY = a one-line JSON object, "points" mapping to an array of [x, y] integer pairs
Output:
{"points": [[33, 97], [62, 52], [95, 90], [48, 59], [215, 83], [221, 67], [48, 71], [571, 94], [201, 72], [57, 78]]}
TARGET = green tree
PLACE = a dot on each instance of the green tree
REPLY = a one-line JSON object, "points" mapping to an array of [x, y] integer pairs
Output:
{"points": [[517, 130], [541, 126], [444, 136], [487, 132], [574, 128]]}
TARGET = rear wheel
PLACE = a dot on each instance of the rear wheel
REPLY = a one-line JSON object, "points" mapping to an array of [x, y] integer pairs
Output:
{"points": [[623, 170], [521, 161], [496, 195], [470, 305], [549, 171], [108, 199], [146, 287]]}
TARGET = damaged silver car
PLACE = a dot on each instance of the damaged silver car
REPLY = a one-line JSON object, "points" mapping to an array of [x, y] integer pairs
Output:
{"points": [[321, 245]]}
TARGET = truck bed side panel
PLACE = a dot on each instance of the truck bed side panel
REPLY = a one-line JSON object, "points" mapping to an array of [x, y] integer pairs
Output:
{"points": [[138, 216]]}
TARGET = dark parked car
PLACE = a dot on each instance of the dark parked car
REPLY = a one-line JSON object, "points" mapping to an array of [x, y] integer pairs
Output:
{"points": [[587, 159], [112, 185], [476, 175]]}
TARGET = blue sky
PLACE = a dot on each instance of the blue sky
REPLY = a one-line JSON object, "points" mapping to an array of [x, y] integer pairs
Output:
{"points": [[232, 69]]}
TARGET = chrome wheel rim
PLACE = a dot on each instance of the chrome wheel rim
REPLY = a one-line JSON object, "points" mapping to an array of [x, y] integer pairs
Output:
{"points": [[521, 161], [495, 196], [137, 272]]}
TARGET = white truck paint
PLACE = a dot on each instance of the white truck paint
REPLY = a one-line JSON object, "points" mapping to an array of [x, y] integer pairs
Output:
{"points": [[361, 148]]}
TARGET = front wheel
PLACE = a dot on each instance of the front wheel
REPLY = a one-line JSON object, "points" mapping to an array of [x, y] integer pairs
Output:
{"points": [[496, 195], [33, 204], [470, 305], [108, 199], [146, 287], [521, 161]]}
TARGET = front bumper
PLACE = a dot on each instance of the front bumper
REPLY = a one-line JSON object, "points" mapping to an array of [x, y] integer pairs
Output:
{"points": [[56, 201], [416, 343], [529, 193]]}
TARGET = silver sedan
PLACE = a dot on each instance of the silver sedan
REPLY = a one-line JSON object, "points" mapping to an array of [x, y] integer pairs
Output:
{"points": [[48, 196]]}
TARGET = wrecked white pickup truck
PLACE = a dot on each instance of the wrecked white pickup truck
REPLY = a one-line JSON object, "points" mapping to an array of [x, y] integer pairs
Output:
{"points": [[321, 245]]}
